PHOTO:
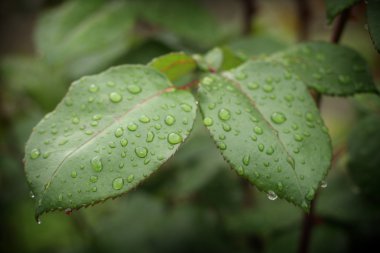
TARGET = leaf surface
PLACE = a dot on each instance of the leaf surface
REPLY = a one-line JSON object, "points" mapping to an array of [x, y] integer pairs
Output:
{"points": [[111, 131], [373, 13], [330, 69], [268, 128]]}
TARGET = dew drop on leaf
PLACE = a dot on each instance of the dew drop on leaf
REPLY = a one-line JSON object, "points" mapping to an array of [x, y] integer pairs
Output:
{"points": [[224, 114], [134, 89], [258, 130], [174, 138], [271, 195], [123, 142], [323, 184], [186, 107], [119, 132], [96, 164], [141, 152], [144, 119], [132, 127], [246, 159], [115, 97], [130, 178], [278, 117], [118, 183], [169, 120], [73, 174], [93, 88], [208, 121], [35, 153], [149, 136]]}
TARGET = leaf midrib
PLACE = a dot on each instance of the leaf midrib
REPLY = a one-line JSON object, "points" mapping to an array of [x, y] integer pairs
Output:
{"points": [[116, 120], [277, 136]]}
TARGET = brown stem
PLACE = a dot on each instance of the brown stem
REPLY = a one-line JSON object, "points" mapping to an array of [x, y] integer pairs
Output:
{"points": [[304, 17], [249, 10], [340, 25], [308, 220]]}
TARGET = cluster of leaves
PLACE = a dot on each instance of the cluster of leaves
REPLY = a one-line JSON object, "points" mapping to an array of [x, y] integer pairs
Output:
{"points": [[112, 130]]}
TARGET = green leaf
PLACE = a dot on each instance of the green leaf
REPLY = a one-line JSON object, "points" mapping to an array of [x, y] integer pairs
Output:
{"points": [[364, 145], [330, 69], [188, 20], [218, 59], [373, 12], [44, 84], [111, 131], [268, 128], [256, 46], [174, 65], [85, 36], [335, 7]]}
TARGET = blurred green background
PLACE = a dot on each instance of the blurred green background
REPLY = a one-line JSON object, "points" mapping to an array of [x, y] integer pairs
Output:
{"points": [[195, 203]]}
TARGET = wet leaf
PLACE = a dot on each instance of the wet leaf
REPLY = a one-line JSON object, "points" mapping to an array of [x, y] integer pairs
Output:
{"points": [[330, 69], [110, 132], [268, 128]]}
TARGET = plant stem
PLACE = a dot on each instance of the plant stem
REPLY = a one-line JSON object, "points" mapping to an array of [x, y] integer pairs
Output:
{"points": [[304, 16], [249, 10], [308, 220]]}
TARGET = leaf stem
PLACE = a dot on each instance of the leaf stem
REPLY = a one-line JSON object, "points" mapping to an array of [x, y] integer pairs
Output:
{"points": [[249, 10], [309, 219], [304, 17], [189, 85]]}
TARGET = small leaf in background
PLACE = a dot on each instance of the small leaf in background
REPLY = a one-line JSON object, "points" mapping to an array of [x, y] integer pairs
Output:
{"points": [[174, 65], [268, 128], [330, 69], [110, 132], [46, 85], [85, 36], [188, 20], [256, 46], [335, 7], [218, 59], [364, 145], [373, 13]]}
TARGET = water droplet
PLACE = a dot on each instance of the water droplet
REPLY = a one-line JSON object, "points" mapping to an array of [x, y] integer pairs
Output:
{"points": [[269, 151], [241, 75], [97, 117], [31, 194], [144, 119], [73, 174], [141, 152], [261, 147], [149, 136], [271, 195], [93, 88], [96, 164], [134, 89], [258, 130], [119, 132], [240, 171], [291, 161], [39, 221], [310, 194], [130, 178], [68, 101], [221, 145], [226, 127], [211, 106], [123, 142], [323, 184], [253, 86], [118, 183], [280, 186], [75, 120], [207, 80], [93, 179], [309, 116], [35, 153], [186, 107], [246, 159], [132, 127], [208, 121], [174, 138], [268, 88], [115, 97], [278, 117], [169, 120], [157, 126], [224, 114], [298, 137]]}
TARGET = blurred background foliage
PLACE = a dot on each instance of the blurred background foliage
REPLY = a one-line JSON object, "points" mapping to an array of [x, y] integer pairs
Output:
{"points": [[195, 203]]}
